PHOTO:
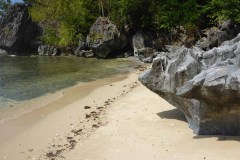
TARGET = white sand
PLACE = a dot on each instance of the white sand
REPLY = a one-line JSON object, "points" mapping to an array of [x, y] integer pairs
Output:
{"points": [[134, 124]]}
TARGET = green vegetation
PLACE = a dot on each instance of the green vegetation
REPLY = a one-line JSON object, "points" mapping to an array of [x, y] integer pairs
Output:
{"points": [[65, 21], [224, 9], [3, 5]]}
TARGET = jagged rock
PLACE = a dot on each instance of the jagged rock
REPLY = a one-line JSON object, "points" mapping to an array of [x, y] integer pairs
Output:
{"points": [[18, 34], [215, 36], [3, 52], [83, 53], [205, 86], [145, 53], [83, 50], [140, 41], [105, 39], [148, 59], [47, 50], [143, 45], [82, 46], [128, 53]]}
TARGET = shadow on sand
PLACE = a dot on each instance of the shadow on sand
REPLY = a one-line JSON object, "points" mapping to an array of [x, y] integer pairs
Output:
{"points": [[172, 114], [178, 115], [219, 137]]}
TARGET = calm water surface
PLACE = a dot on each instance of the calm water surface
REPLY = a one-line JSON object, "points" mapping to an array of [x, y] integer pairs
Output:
{"points": [[23, 78]]}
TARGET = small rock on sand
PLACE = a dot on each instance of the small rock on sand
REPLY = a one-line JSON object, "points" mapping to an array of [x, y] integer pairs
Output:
{"points": [[87, 107]]}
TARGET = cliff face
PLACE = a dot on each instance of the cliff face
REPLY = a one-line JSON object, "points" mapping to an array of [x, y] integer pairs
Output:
{"points": [[205, 86], [17, 31]]}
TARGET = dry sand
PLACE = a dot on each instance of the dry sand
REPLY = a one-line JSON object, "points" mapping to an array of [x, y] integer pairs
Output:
{"points": [[110, 119]]}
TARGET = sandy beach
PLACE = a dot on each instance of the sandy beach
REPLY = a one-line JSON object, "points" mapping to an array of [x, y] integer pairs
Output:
{"points": [[109, 119]]}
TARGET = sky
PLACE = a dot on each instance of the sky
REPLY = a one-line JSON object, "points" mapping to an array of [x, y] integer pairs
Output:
{"points": [[14, 1]]}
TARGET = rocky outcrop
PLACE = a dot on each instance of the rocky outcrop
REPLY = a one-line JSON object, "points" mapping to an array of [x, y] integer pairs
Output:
{"points": [[18, 34], [147, 45], [83, 50], [143, 46], [105, 39], [140, 41], [85, 53], [47, 50], [82, 46], [3, 52], [205, 86], [215, 36]]}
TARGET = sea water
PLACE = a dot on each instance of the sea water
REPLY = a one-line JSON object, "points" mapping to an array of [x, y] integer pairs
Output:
{"points": [[24, 78]]}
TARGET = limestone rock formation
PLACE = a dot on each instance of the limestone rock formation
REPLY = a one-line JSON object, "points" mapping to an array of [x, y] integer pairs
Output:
{"points": [[18, 34], [85, 53], [215, 36], [143, 46], [105, 39], [205, 86], [47, 50], [140, 41], [82, 46], [3, 53]]}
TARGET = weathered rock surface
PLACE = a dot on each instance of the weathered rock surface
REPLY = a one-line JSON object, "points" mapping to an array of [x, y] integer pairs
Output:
{"points": [[3, 52], [146, 54], [82, 46], [145, 46], [18, 33], [215, 36], [140, 41], [47, 50], [105, 39], [205, 86], [85, 53]]}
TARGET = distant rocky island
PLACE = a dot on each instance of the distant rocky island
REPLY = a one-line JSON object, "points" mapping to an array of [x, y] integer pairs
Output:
{"points": [[200, 76]]}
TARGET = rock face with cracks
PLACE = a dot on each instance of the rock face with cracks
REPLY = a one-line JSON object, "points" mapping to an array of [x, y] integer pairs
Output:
{"points": [[205, 86], [105, 39], [18, 33]]}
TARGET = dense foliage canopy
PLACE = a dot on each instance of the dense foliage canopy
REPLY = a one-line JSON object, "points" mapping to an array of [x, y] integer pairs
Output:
{"points": [[65, 21]]}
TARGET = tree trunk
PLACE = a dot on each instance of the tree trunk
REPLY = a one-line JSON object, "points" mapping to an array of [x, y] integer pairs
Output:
{"points": [[101, 4]]}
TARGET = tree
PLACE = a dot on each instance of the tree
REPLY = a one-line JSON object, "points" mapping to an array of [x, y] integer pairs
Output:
{"points": [[4, 5], [64, 21], [220, 10], [175, 13], [135, 13], [155, 14]]}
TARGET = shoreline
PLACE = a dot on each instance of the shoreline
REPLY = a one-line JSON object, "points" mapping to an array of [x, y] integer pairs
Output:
{"points": [[18, 108], [118, 118], [15, 131], [46, 104], [28, 106]]}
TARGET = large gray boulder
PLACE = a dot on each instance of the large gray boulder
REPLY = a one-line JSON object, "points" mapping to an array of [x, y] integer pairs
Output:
{"points": [[18, 34], [105, 39], [205, 86]]}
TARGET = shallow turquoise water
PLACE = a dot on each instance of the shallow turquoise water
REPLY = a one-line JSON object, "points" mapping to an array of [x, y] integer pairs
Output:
{"points": [[23, 78]]}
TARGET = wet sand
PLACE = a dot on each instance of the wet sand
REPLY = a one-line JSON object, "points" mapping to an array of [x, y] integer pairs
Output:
{"points": [[115, 118]]}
